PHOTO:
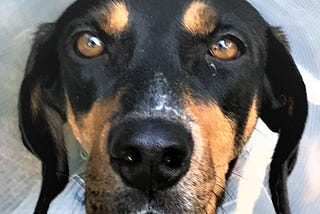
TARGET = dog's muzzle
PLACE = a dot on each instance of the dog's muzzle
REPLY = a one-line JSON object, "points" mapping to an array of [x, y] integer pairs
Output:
{"points": [[150, 154]]}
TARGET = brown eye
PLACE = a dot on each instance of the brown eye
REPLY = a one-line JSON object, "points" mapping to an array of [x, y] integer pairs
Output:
{"points": [[89, 46], [225, 49]]}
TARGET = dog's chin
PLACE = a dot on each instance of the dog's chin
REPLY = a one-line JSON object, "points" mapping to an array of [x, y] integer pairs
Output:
{"points": [[149, 208], [149, 211], [136, 201]]}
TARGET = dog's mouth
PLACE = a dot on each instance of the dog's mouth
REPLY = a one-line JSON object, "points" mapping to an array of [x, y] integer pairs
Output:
{"points": [[135, 201], [180, 198], [150, 208], [149, 211]]}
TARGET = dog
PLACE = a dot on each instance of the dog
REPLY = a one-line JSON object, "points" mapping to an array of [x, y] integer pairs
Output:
{"points": [[162, 95]]}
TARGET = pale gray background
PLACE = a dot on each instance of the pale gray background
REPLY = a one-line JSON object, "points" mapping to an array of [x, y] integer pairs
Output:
{"points": [[20, 171]]}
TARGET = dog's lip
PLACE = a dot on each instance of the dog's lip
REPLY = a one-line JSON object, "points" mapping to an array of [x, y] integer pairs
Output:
{"points": [[140, 203], [148, 212], [149, 208], [146, 209]]}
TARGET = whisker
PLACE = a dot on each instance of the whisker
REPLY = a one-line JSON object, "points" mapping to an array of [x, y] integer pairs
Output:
{"points": [[62, 174], [237, 174]]}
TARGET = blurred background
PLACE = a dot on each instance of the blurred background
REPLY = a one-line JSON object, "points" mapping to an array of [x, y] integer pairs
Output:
{"points": [[20, 171]]}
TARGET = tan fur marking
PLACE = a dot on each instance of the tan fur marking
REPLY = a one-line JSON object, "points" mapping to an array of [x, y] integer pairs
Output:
{"points": [[101, 181], [199, 18], [218, 135], [251, 121], [114, 18], [91, 130], [35, 101], [87, 128]]}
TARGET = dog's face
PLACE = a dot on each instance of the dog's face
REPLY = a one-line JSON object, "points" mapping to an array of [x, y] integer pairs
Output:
{"points": [[162, 95]]}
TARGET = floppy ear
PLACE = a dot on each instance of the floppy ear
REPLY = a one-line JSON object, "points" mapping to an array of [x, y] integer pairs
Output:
{"points": [[284, 110], [41, 115]]}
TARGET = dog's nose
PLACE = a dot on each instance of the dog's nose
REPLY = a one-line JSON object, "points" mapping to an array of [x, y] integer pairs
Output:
{"points": [[150, 154]]}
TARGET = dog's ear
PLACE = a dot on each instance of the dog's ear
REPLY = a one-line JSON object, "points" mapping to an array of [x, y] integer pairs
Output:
{"points": [[284, 110], [41, 115]]}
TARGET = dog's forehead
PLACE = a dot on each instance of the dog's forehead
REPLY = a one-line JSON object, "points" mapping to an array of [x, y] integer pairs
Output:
{"points": [[168, 9], [195, 16], [116, 16]]}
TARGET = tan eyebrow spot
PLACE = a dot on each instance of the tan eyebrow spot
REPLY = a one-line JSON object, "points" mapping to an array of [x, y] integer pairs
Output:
{"points": [[114, 18], [199, 18]]}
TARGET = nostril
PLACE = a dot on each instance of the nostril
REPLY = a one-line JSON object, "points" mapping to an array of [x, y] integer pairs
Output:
{"points": [[129, 156], [173, 157]]}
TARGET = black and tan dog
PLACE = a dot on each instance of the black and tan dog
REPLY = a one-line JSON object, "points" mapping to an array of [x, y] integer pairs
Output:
{"points": [[162, 95]]}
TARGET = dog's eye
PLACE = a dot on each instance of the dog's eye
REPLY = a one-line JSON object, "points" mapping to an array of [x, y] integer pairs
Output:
{"points": [[225, 49], [89, 46]]}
